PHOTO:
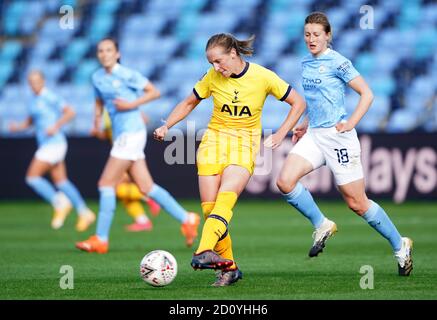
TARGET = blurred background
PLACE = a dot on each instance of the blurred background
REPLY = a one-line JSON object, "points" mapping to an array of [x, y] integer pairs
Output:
{"points": [[165, 41]]}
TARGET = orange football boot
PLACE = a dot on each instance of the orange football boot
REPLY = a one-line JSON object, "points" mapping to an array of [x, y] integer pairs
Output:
{"points": [[93, 244], [189, 228]]}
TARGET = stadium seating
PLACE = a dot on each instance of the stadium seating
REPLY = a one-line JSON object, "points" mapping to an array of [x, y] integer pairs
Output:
{"points": [[165, 41]]}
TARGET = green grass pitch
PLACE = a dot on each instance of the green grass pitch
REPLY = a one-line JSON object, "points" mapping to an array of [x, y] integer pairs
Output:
{"points": [[271, 242]]}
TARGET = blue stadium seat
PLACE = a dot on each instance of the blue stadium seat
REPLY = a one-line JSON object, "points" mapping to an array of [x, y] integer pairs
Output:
{"points": [[338, 17], [420, 93], [43, 48], [75, 51], [243, 7], [383, 86], [5, 72], [426, 43], [140, 25], [52, 30], [365, 63], [186, 25], [10, 50], [52, 71], [172, 9], [402, 120], [286, 5], [193, 6], [385, 62], [33, 13], [107, 7], [13, 14], [184, 70], [101, 25], [86, 68], [213, 23], [349, 42]]}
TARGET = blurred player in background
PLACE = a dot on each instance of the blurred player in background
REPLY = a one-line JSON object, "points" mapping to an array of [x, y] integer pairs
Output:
{"points": [[331, 139], [225, 158], [116, 89], [48, 113], [127, 191]]}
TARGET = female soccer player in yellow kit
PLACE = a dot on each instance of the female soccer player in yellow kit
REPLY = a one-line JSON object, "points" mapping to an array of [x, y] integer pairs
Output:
{"points": [[225, 158]]}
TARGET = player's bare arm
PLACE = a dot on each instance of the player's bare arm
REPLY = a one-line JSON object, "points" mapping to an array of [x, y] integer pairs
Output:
{"points": [[360, 86], [179, 113]]}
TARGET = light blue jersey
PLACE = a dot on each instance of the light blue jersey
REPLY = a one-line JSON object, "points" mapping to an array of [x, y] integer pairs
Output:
{"points": [[122, 83], [324, 81], [45, 110]]}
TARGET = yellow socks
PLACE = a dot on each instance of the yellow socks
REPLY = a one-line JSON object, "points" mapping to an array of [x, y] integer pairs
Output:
{"points": [[129, 191], [134, 208], [215, 227], [207, 208]]}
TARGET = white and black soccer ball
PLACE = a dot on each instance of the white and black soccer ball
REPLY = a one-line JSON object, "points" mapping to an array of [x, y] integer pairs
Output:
{"points": [[158, 268]]}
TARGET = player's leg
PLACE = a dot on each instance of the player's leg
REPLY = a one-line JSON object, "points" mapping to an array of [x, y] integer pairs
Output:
{"points": [[189, 220], [128, 190], [208, 187], [130, 196], [59, 176], [35, 180], [233, 181], [134, 208], [113, 171], [294, 168], [304, 158], [355, 196]]}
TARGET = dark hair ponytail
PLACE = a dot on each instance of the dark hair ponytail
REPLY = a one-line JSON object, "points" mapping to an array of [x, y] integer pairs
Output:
{"points": [[228, 41]]}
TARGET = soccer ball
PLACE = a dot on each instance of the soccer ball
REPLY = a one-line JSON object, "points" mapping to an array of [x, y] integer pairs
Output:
{"points": [[158, 268]]}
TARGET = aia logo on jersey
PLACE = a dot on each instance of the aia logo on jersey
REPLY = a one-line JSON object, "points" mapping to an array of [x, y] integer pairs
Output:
{"points": [[236, 111]]}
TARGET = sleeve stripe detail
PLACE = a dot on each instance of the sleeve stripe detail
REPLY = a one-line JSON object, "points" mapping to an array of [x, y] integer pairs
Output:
{"points": [[286, 93], [197, 95]]}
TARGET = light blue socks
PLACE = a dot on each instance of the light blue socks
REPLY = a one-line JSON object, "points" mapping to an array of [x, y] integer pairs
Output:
{"points": [[166, 201], [43, 188], [301, 199], [106, 212], [73, 194], [379, 220]]}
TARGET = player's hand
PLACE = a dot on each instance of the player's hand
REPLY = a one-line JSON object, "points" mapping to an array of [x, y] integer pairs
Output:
{"points": [[13, 127], [343, 127], [52, 130], [160, 133], [298, 132], [273, 141], [123, 105], [99, 134]]}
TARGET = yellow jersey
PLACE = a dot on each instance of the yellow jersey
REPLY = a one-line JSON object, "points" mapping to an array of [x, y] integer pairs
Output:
{"points": [[239, 99], [234, 131]]}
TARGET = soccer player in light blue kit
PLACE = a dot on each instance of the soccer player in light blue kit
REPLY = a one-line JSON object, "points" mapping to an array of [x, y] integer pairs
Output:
{"points": [[116, 89], [48, 113], [332, 140]]}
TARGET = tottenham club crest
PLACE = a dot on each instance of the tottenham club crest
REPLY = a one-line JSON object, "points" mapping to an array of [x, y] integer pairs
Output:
{"points": [[235, 100]]}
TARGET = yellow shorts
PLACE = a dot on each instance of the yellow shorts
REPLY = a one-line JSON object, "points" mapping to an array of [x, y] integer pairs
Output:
{"points": [[221, 148]]}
